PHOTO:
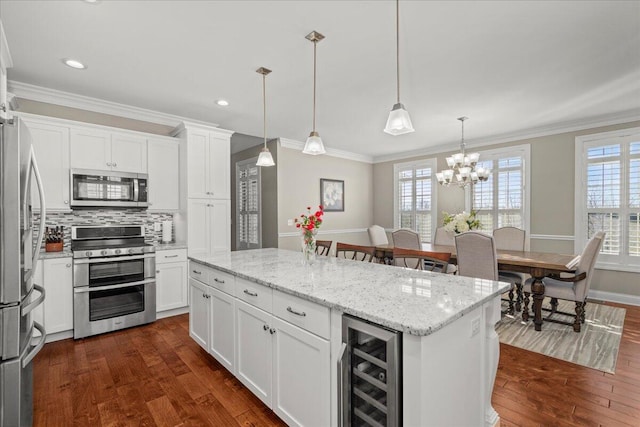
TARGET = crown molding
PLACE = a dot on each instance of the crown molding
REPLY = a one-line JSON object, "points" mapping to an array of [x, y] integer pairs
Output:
{"points": [[333, 152], [535, 132], [191, 125], [72, 100]]}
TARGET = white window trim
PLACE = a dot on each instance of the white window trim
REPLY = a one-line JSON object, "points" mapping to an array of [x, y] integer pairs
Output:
{"points": [[580, 219], [523, 151], [430, 163]]}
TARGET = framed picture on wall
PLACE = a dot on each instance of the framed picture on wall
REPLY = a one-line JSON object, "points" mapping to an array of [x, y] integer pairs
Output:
{"points": [[332, 195]]}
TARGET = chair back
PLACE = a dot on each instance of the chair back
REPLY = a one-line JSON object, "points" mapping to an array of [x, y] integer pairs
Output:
{"points": [[426, 260], [476, 253], [444, 237], [377, 235], [587, 263], [355, 252], [509, 238], [406, 239], [323, 247]]}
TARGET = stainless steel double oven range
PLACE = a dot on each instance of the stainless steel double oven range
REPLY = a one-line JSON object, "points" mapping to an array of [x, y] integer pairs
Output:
{"points": [[114, 285]]}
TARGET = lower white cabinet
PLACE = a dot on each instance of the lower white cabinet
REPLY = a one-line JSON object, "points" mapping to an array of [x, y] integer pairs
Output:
{"points": [[222, 328], [56, 276], [172, 290], [199, 313]]}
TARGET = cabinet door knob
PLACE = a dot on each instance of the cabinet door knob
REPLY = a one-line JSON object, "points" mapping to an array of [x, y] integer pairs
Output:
{"points": [[68, 265], [66, 202], [272, 331], [115, 164], [108, 164], [265, 327], [157, 271]]}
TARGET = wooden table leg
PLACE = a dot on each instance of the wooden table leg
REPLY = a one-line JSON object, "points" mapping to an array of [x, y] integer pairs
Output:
{"points": [[537, 289]]}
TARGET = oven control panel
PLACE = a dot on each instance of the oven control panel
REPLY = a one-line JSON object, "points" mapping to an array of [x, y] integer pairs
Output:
{"points": [[100, 253]]}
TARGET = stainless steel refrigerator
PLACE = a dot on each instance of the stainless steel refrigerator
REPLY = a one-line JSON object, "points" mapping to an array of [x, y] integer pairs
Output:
{"points": [[19, 252]]}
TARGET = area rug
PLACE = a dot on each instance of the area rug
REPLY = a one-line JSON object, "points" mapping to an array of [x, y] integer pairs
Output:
{"points": [[596, 346]]}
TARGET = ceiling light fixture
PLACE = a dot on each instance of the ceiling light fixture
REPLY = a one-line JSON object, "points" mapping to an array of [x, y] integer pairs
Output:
{"points": [[74, 63], [222, 102], [463, 166], [265, 158], [399, 121], [314, 145]]}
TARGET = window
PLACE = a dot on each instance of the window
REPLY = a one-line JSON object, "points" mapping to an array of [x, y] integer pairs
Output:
{"points": [[503, 200], [608, 196], [415, 198], [248, 218]]}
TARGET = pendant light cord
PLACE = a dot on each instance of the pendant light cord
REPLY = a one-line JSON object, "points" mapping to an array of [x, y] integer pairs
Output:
{"points": [[315, 44], [264, 108], [398, 49]]}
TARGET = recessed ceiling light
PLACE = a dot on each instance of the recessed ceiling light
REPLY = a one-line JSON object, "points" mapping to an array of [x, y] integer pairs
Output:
{"points": [[92, 1], [222, 102], [73, 63]]}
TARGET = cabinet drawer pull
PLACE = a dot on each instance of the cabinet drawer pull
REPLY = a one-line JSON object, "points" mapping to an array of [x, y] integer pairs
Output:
{"points": [[218, 280], [251, 294], [197, 272], [171, 256], [297, 313]]}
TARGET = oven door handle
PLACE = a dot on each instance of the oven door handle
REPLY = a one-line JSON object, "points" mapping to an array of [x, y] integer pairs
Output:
{"points": [[113, 259], [84, 289]]}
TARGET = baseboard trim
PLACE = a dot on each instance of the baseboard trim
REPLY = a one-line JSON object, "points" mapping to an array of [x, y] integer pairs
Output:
{"points": [[173, 312], [59, 336], [614, 297]]}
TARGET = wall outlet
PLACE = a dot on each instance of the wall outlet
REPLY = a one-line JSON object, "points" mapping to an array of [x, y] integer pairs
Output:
{"points": [[289, 222], [475, 326], [157, 226]]}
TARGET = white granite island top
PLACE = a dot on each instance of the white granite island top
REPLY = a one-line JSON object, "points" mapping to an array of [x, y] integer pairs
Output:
{"points": [[414, 302]]}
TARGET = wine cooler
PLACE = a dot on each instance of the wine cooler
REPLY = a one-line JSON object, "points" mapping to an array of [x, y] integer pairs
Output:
{"points": [[370, 375]]}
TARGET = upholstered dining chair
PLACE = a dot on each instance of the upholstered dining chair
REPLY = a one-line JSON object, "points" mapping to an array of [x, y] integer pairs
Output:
{"points": [[446, 238], [377, 235], [323, 247], [511, 239], [426, 260], [574, 288], [407, 239], [355, 252]]}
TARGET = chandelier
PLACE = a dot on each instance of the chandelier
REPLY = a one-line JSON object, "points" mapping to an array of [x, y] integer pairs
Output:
{"points": [[462, 166]]}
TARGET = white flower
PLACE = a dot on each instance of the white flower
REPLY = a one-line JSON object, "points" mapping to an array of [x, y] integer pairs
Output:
{"points": [[451, 226], [462, 226]]}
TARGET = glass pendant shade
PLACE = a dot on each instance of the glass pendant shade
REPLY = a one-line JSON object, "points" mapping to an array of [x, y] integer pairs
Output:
{"points": [[265, 158], [314, 145], [399, 121]]}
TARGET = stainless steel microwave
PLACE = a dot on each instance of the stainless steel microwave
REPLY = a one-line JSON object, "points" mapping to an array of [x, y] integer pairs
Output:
{"points": [[95, 188]]}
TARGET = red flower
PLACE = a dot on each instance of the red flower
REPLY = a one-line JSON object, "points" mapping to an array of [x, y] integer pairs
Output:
{"points": [[310, 226], [319, 214], [297, 225]]}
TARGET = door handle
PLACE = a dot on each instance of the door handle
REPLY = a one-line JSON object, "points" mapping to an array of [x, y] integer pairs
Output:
{"points": [[297, 313], [29, 307], [36, 349]]}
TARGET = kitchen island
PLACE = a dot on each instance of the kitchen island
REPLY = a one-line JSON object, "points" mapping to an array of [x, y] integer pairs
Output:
{"points": [[276, 324]]}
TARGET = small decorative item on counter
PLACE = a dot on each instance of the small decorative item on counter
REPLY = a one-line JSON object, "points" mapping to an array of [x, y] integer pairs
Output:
{"points": [[54, 239], [309, 225], [461, 222]]}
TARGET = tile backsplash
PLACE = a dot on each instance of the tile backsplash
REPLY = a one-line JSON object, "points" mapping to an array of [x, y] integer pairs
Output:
{"points": [[105, 217]]}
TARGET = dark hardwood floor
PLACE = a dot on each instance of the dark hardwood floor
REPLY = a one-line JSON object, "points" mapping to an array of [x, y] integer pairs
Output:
{"points": [[156, 375]]}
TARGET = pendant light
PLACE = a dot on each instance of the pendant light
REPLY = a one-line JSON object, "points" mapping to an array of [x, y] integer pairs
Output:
{"points": [[399, 121], [265, 158], [314, 144]]}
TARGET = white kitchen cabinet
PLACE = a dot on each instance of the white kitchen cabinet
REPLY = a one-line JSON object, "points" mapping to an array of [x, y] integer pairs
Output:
{"points": [[209, 225], [51, 147], [58, 303], [164, 174], [208, 158], [219, 167], [102, 150], [199, 313], [222, 328], [254, 344], [172, 289], [301, 376]]}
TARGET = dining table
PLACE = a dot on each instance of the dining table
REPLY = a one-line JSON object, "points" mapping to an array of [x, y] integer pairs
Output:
{"points": [[537, 264]]}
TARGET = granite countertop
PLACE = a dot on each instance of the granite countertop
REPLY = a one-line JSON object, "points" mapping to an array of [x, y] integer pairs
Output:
{"points": [[169, 246], [411, 301]]}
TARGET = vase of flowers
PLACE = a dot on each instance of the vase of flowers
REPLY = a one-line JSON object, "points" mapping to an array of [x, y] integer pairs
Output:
{"points": [[308, 225], [460, 222]]}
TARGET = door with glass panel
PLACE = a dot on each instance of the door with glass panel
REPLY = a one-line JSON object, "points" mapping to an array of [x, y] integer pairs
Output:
{"points": [[248, 209]]}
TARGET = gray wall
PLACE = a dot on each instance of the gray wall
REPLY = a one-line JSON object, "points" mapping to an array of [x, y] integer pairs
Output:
{"points": [[269, 189], [552, 198]]}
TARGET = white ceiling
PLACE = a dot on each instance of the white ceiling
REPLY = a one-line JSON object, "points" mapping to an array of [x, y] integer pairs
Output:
{"points": [[509, 66]]}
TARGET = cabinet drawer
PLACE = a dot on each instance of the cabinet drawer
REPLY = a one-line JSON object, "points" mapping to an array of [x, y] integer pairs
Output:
{"points": [[199, 272], [172, 255], [303, 313], [254, 294], [222, 281]]}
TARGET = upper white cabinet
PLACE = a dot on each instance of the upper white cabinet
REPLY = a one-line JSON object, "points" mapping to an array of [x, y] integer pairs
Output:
{"points": [[164, 174], [102, 150], [51, 147]]}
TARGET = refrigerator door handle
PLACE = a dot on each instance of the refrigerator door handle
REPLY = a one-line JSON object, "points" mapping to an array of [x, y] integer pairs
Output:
{"points": [[43, 211], [36, 348], [341, 385], [29, 307]]}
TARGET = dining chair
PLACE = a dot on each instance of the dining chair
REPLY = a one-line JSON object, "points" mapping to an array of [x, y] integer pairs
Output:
{"points": [[355, 252], [423, 260], [511, 239], [377, 235], [407, 239], [446, 238], [574, 288], [323, 247]]}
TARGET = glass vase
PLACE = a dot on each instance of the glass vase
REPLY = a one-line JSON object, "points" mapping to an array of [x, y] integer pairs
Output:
{"points": [[309, 246]]}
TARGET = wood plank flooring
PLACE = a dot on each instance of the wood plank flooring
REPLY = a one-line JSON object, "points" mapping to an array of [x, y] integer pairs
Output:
{"points": [[156, 375]]}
